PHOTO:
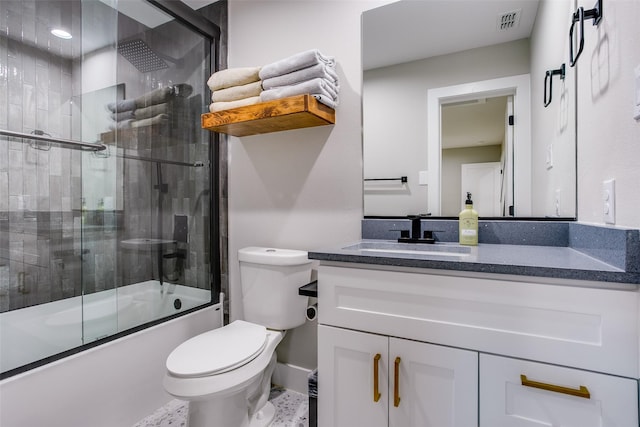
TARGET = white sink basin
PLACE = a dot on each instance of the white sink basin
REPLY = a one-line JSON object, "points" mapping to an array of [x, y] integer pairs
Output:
{"points": [[436, 249]]}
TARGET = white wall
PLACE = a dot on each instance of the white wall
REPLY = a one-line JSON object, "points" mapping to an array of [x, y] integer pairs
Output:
{"points": [[299, 189], [113, 385], [553, 126], [608, 136], [398, 146]]}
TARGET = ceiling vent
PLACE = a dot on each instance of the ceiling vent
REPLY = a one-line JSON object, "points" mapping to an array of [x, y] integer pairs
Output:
{"points": [[509, 20]]}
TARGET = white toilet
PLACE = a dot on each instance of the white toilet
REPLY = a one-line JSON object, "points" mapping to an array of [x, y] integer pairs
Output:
{"points": [[225, 373]]}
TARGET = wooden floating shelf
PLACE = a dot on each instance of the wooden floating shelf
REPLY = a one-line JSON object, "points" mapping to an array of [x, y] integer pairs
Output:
{"points": [[295, 112]]}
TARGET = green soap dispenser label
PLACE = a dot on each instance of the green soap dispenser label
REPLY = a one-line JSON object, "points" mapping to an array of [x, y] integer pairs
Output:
{"points": [[468, 224]]}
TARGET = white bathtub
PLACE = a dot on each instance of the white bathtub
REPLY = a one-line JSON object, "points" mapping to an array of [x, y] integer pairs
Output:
{"points": [[33, 333], [114, 384]]}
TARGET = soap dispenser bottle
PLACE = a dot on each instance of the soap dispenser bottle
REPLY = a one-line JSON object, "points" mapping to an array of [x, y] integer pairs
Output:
{"points": [[468, 224]]}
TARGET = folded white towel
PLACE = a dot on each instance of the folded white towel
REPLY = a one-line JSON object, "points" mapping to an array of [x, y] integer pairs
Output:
{"points": [[314, 87], [318, 70], [235, 93], [296, 62], [123, 124], [219, 106], [233, 77], [160, 119], [157, 96], [317, 85], [123, 105], [151, 111], [122, 115]]}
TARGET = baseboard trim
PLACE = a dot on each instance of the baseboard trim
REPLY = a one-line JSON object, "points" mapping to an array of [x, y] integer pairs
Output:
{"points": [[291, 377]]}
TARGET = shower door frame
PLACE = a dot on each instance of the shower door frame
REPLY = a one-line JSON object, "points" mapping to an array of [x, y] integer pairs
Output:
{"points": [[197, 22], [209, 30]]}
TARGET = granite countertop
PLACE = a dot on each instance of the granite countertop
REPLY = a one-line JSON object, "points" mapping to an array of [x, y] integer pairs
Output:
{"points": [[524, 260]]}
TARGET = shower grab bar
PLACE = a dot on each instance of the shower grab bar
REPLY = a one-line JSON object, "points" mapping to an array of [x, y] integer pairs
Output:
{"points": [[402, 179], [76, 145]]}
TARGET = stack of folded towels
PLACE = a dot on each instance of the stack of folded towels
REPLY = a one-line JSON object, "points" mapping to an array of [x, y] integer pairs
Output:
{"points": [[234, 87], [305, 72], [152, 108]]}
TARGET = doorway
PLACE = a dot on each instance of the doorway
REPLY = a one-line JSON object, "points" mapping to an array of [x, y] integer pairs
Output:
{"points": [[516, 188]]}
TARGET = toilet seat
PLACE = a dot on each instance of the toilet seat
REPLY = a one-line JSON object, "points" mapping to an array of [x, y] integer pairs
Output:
{"points": [[218, 351]]}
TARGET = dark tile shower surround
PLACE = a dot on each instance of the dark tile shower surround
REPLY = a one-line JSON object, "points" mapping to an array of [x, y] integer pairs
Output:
{"points": [[46, 254]]}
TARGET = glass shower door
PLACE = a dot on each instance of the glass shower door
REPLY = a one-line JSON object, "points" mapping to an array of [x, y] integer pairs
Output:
{"points": [[105, 174], [147, 198]]}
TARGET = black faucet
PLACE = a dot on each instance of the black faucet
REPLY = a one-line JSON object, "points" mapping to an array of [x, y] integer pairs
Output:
{"points": [[416, 228]]}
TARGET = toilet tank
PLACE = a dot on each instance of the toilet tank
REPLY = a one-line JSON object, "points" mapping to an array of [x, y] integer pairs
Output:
{"points": [[270, 280]]}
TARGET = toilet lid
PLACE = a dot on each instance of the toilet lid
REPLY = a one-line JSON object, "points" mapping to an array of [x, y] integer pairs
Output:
{"points": [[218, 351]]}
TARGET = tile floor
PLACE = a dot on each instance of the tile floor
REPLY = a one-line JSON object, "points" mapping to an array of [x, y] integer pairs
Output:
{"points": [[292, 410]]}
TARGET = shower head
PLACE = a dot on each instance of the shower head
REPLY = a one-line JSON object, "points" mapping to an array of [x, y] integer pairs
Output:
{"points": [[141, 56]]}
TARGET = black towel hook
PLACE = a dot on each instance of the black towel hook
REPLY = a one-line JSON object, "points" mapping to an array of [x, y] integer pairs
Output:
{"points": [[578, 17], [548, 82]]}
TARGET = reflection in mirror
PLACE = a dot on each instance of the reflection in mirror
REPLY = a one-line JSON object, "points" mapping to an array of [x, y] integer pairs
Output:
{"points": [[426, 84], [473, 142]]}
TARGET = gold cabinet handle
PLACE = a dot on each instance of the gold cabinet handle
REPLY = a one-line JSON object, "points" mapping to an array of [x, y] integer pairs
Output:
{"points": [[376, 385], [582, 391], [396, 382]]}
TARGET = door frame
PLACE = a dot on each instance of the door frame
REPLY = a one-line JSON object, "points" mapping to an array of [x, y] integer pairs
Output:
{"points": [[519, 87]]}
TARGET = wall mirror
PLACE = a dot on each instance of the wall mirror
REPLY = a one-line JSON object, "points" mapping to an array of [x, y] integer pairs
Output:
{"points": [[453, 101]]}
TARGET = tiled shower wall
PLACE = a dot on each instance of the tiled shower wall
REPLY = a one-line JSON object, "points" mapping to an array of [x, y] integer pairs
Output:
{"points": [[50, 248], [39, 189]]}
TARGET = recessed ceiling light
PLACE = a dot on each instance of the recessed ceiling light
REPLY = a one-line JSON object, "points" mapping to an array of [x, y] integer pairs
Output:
{"points": [[61, 33]]}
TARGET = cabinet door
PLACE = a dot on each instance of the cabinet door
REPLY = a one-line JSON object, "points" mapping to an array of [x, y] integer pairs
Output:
{"points": [[437, 386], [346, 383], [527, 394]]}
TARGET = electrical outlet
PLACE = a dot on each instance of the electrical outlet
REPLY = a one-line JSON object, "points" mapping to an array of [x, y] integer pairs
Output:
{"points": [[609, 201]]}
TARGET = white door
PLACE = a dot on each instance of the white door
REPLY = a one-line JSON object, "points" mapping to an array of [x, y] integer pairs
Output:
{"points": [[484, 182], [517, 393], [347, 378], [437, 385]]}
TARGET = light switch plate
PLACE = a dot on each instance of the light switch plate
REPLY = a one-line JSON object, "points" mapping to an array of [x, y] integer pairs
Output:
{"points": [[609, 201], [423, 177]]}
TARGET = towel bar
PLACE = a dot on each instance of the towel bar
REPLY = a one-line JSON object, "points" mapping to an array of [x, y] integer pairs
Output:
{"points": [[578, 17], [402, 179], [76, 145], [548, 82]]}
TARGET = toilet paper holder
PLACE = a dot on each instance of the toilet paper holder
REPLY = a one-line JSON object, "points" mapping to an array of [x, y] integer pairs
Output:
{"points": [[309, 290], [312, 312]]}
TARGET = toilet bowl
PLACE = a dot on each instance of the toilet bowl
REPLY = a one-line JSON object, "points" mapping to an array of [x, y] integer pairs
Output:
{"points": [[230, 387], [225, 373]]}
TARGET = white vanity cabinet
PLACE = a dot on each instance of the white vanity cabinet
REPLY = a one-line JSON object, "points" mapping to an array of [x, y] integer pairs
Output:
{"points": [[518, 393], [464, 343], [381, 381]]}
